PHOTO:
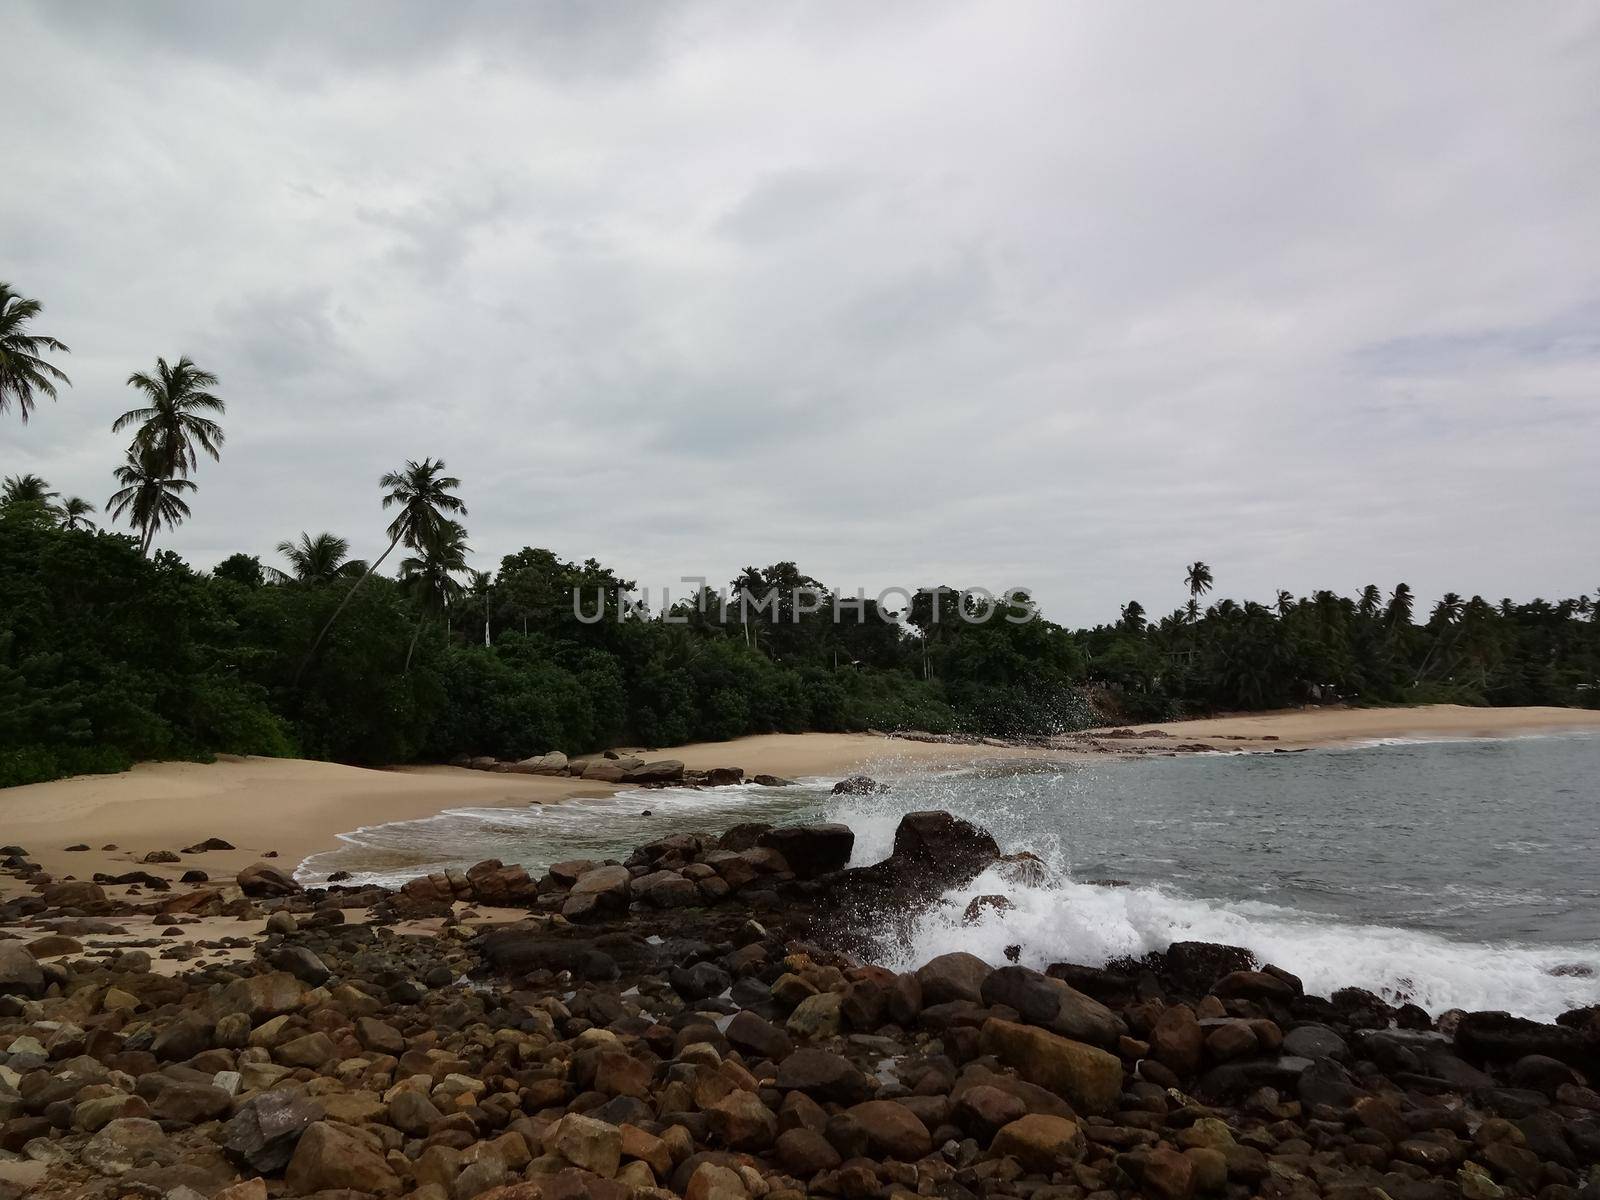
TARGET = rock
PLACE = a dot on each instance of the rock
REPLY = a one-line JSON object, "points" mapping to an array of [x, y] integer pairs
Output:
{"points": [[1057, 1006], [984, 1110], [823, 1075], [665, 889], [742, 1122], [20, 972], [713, 1182], [1315, 1041], [191, 1103], [303, 963], [1088, 1078], [771, 781], [604, 881], [413, 1113], [699, 981], [182, 1039], [804, 1152], [1499, 1036], [811, 850], [954, 976], [74, 893], [934, 852], [979, 906], [816, 1016], [859, 785], [124, 1144], [264, 880], [893, 1129], [211, 843], [666, 770], [586, 1143], [259, 997], [1252, 985], [160, 856], [311, 1050], [1177, 1041], [380, 1036], [331, 1156], [263, 1133], [1040, 1142], [753, 1035], [54, 945], [1163, 1173]]}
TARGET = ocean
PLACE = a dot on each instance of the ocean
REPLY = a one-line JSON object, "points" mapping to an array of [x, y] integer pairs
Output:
{"points": [[1454, 874]]}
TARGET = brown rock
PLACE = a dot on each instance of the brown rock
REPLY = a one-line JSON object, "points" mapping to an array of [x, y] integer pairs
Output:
{"points": [[892, 1129], [331, 1156], [1040, 1142], [1088, 1078]]}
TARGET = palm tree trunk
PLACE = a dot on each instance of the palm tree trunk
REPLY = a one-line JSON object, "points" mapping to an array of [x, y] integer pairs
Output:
{"points": [[306, 661], [412, 649]]}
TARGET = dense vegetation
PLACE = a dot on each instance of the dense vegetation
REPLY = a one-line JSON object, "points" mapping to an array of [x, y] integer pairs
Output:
{"points": [[112, 651]]}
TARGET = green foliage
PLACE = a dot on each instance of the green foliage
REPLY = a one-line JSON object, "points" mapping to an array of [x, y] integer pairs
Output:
{"points": [[108, 657]]}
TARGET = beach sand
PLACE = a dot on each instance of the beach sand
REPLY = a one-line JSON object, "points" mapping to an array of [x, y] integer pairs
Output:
{"points": [[297, 808]]}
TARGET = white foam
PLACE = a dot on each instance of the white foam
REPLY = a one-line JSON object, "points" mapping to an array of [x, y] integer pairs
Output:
{"points": [[1087, 924]]}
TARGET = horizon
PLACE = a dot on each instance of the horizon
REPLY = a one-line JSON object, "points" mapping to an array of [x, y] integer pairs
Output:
{"points": [[1062, 302]]}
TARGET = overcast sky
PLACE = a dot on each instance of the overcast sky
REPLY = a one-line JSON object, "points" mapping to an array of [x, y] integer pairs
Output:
{"points": [[1055, 295]]}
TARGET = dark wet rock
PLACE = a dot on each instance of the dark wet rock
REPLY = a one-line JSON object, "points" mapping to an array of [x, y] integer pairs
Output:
{"points": [[823, 1075], [264, 880], [811, 850], [262, 1135], [859, 785], [1315, 1041], [1041, 1000], [1498, 1036]]}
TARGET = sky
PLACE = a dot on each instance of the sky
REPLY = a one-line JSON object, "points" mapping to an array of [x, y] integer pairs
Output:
{"points": [[1053, 295]]}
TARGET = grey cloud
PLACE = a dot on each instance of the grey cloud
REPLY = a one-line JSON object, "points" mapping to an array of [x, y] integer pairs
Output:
{"points": [[1062, 296]]}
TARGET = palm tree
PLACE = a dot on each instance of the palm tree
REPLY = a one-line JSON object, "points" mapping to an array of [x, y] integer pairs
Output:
{"points": [[149, 495], [423, 495], [1285, 602], [22, 371], [1198, 579], [1447, 611], [317, 559], [481, 585], [1371, 599], [1400, 605], [26, 489], [430, 576], [74, 513], [174, 422]]}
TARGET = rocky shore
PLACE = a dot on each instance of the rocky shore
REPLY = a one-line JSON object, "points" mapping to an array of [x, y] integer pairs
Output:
{"points": [[705, 1020]]}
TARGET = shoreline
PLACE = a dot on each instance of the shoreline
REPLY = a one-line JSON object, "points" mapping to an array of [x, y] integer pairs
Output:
{"points": [[299, 807]]}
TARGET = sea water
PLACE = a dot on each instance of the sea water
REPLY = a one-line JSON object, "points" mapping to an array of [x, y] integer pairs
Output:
{"points": [[1448, 873]]}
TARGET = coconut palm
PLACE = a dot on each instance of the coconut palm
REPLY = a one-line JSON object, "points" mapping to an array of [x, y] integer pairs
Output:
{"points": [[1371, 600], [422, 493], [1401, 603], [74, 513], [430, 575], [1198, 579], [23, 373], [317, 559], [149, 496], [174, 422], [1447, 611], [1285, 602], [26, 489]]}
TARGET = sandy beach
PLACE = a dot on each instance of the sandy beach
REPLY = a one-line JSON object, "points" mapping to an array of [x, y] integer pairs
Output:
{"points": [[296, 807]]}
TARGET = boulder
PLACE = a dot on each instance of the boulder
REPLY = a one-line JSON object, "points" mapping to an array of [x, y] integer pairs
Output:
{"points": [[954, 976], [859, 785], [893, 1130], [331, 1156], [823, 1075], [1089, 1078], [265, 880], [211, 843], [1040, 1142], [259, 997], [666, 770], [1053, 1004], [262, 1134], [125, 1143], [586, 1143], [934, 852], [811, 850], [20, 972]]}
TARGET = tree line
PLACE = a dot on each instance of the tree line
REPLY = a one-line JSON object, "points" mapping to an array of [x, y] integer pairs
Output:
{"points": [[112, 650]]}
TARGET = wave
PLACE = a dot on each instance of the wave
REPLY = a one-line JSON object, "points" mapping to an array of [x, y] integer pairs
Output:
{"points": [[1090, 924]]}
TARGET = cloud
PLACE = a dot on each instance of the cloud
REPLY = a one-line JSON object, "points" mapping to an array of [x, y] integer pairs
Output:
{"points": [[905, 293]]}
